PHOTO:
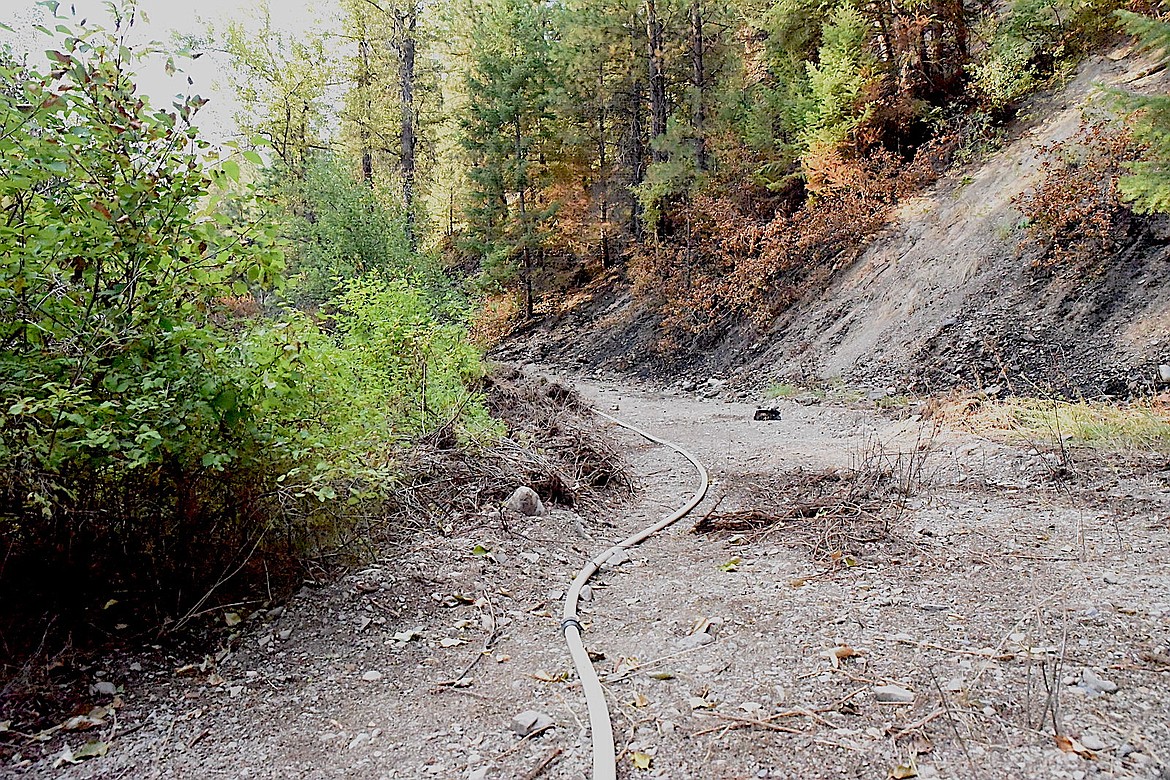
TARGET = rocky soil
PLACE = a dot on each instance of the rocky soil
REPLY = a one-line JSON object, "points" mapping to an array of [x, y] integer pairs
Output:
{"points": [[991, 612]]}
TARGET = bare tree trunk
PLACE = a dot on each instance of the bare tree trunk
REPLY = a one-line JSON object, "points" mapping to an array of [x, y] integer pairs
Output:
{"points": [[406, 27], [525, 235], [634, 151], [603, 167], [657, 78], [699, 80], [364, 121]]}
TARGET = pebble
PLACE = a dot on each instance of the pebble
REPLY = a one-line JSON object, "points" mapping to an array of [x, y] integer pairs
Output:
{"points": [[372, 676], [1094, 682], [893, 694], [105, 688], [1093, 742], [529, 721], [695, 641]]}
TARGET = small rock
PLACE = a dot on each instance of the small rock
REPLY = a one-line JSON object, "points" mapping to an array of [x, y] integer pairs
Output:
{"points": [[1093, 682], [525, 502], [695, 641], [105, 688], [1094, 743], [767, 415], [529, 721], [285, 634], [955, 685], [1164, 373], [479, 773], [893, 694], [586, 593], [1111, 579], [617, 559], [372, 676], [136, 667], [688, 386]]}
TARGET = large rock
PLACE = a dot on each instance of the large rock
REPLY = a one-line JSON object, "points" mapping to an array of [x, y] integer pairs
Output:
{"points": [[525, 502]]}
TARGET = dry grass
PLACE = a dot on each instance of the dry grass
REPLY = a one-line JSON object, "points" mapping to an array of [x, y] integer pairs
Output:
{"points": [[1133, 426]]}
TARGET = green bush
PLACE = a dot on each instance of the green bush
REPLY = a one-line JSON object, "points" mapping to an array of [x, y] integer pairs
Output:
{"points": [[152, 440], [338, 229]]}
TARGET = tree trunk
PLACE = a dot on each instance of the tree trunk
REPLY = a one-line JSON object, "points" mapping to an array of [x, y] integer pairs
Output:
{"points": [[406, 26], [699, 80], [525, 233], [657, 79], [364, 121], [602, 168]]}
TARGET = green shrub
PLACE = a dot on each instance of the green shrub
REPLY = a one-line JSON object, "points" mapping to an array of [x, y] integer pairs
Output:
{"points": [[152, 441]]}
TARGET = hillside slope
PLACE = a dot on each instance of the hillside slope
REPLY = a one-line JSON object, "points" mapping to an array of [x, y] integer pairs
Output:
{"points": [[945, 296]]}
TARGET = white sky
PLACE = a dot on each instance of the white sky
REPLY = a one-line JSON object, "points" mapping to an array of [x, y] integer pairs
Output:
{"points": [[164, 17]]}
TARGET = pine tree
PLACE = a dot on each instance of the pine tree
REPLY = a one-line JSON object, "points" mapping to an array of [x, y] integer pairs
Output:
{"points": [[1148, 187], [507, 129]]}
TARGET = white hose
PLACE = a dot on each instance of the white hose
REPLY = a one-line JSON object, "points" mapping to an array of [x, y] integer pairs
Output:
{"points": [[604, 751]]}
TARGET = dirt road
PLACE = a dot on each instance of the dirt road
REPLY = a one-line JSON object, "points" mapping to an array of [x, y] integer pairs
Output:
{"points": [[999, 603]]}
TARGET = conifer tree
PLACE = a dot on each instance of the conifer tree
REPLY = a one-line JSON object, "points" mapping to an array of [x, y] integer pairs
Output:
{"points": [[1148, 187], [507, 131]]}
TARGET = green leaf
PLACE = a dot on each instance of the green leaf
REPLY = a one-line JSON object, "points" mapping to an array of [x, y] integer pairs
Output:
{"points": [[732, 565], [231, 169]]}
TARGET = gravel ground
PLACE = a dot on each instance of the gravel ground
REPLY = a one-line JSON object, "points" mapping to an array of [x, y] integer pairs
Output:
{"points": [[1019, 625]]}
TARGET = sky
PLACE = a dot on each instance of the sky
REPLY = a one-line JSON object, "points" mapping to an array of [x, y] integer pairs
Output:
{"points": [[209, 73]]}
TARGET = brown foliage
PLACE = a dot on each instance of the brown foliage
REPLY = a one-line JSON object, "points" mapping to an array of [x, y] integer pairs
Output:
{"points": [[1075, 214], [727, 262]]}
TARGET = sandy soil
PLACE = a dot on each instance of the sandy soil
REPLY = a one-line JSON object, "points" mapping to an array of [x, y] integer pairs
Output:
{"points": [[1000, 596]]}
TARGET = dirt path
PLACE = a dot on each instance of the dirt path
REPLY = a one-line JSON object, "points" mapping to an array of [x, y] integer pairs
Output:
{"points": [[998, 595]]}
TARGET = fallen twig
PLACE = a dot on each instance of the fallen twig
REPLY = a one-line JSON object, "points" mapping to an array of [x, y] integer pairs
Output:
{"points": [[916, 724], [618, 676], [518, 745], [992, 656], [738, 722], [544, 763]]}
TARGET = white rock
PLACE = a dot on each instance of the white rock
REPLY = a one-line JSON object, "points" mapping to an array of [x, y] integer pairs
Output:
{"points": [[372, 676], [1093, 742], [893, 694], [1093, 682], [105, 688]]}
